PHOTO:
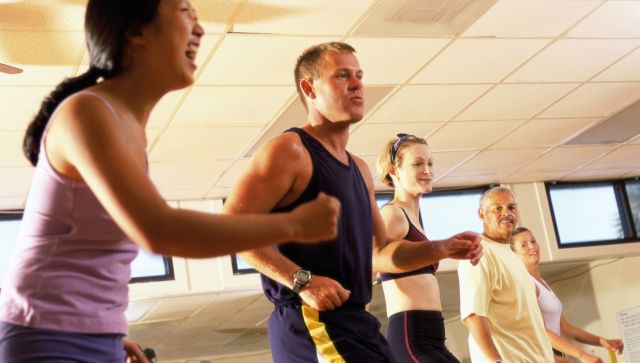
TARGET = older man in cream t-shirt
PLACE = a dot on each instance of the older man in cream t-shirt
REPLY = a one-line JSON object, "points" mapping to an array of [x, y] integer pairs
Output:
{"points": [[498, 302]]}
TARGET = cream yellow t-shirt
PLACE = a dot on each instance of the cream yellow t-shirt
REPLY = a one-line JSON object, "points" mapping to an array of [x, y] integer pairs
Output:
{"points": [[500, 289]]}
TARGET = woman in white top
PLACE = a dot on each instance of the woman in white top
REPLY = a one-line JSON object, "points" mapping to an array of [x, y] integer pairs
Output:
{"points": [[524, 244]]}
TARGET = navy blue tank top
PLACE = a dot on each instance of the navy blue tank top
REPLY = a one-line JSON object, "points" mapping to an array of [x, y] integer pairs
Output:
{"points": [[347, 259], [413, 235]]}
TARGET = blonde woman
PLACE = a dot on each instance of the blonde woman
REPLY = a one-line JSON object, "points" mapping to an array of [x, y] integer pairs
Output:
{"points": [[416, 326]]}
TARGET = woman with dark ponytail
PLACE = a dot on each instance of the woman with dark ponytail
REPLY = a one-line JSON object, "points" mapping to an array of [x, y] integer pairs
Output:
{"points": [[31, 142], [91, 203]]}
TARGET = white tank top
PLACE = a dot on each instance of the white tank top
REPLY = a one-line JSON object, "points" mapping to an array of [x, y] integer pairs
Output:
{"points": [[550, 307]]}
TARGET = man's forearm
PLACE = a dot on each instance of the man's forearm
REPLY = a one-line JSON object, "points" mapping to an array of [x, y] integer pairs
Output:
{"points": [[270, 262], [479, 330]]}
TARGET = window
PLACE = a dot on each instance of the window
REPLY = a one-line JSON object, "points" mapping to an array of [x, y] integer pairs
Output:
{"points": [[9, 225], [633, 194], [594, 213], [447, 212], [145, 268], [148, 267], [240, 267]]}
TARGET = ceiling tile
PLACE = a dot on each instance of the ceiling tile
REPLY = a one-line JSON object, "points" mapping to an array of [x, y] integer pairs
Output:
{"points": [[11, 149], [15, 182], [444, 161], [199, 143], [370, 138], [19, 105], [415, 18], [409, 55], [35, 75], [54, 15], [182, 194], [466, 181], [600, 25], [187, 175], [426, 103], [594, 100], [627, 156], [536, 176], [233, 173], [152, 333], [565, 159], [529, 18], [478, 60], [218, 192], [470, 135], [327, 17], [152, 133], [632, 174], [180, 307], [165, 109], [496, 162], [544, 133], [137, 309], [624, 70], [515, 101], [573, 60], [214, 15], [229, 106], [256, 59], [616, 129], [595, 174], [45, 56]]}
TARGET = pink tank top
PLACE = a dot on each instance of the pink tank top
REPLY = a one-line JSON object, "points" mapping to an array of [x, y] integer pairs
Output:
{"points": [[72, 267]]}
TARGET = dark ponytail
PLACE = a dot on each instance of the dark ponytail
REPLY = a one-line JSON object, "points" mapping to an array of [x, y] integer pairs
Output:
{"points": [[31, 142], [107, 24]]}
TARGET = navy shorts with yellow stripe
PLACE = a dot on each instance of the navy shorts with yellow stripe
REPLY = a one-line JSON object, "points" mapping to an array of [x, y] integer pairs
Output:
{"points": [[300, 334]]}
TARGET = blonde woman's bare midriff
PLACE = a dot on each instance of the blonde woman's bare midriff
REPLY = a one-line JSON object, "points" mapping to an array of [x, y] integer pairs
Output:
{"points": [[417, 292]]}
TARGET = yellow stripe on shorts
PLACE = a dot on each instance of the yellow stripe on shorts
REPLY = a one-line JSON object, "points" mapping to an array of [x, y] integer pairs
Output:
{"points": [[324, 345]]}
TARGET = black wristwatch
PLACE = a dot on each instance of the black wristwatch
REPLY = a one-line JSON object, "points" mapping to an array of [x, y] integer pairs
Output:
{"points": [[300, 279]]}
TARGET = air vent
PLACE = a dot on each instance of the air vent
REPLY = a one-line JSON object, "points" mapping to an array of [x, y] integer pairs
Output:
{"points": [[433, 18], [617, 129]]}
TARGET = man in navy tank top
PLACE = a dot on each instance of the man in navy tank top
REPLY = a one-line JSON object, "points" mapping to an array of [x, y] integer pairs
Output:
{"points": [[320, 291]]}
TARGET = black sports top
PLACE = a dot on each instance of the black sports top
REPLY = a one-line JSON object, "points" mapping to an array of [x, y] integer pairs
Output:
{"points": [[413, 235], [348, 258]]}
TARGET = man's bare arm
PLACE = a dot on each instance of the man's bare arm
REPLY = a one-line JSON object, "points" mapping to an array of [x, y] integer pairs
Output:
{"points": [[275, 178], [479, 330]]}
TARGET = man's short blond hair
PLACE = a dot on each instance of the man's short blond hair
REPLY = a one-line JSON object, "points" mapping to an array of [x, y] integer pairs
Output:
{"points": [[311, 60]]}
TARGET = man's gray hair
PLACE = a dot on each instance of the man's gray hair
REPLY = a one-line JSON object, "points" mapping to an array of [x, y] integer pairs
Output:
{"points": [[486, 196]]}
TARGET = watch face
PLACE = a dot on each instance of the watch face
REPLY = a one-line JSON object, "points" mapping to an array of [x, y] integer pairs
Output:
{"points": [[303, 276]]}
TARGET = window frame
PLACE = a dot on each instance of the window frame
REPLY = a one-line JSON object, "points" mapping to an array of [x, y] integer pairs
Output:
{"points": [[10, 215], [168, 276], [237, 271], [622, 202]]}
